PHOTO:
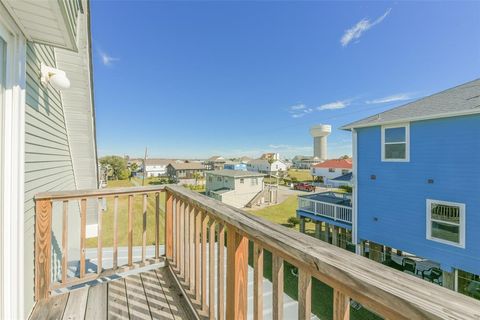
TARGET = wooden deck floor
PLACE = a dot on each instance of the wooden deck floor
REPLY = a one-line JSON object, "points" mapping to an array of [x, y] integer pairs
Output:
{"points": [[151, 294]]}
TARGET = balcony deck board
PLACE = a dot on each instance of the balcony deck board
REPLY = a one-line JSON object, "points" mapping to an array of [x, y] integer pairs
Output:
{"points": [[151, 294]]}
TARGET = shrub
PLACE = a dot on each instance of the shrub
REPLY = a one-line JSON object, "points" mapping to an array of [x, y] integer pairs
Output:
{"points": [[293, 221]]}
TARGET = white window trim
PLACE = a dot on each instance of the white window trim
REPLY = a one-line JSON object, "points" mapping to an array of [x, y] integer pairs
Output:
{"points": [[407, 142], [462, 222], [12, 191]]}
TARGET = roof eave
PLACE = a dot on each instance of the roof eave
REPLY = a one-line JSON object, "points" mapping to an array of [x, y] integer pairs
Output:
{"points": [[351, 126]]}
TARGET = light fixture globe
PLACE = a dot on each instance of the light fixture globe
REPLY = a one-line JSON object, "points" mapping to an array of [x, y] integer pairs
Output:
{"points": [[60, 81], [57, 78]]}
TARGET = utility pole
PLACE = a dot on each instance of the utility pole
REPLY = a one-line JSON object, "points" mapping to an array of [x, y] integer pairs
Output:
{"points": [[144, 167]]}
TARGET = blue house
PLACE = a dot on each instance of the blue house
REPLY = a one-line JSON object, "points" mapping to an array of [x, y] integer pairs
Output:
{"points": [[416, 198]]}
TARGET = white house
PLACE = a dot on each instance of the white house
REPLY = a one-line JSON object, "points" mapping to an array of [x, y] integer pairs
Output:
{"points": [[263, 166], [305, 162], [233, 187], [156, 167], [332, 169]]}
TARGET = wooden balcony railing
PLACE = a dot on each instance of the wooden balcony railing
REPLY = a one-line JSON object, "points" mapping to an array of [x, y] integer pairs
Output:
{"points": [[201, 232]]}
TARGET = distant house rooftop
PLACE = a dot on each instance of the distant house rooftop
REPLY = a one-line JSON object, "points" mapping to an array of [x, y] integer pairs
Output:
{"points": [[188, 166], [335, 163], [158, 162], [343, 199], [235, 173], [460, 100], [346, 177]]}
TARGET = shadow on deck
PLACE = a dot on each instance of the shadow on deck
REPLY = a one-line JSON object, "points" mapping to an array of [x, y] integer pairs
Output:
{"points": [[150, 293]]}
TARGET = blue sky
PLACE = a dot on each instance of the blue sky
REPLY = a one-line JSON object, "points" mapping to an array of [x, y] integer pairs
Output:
{"points": [[195, 79]]}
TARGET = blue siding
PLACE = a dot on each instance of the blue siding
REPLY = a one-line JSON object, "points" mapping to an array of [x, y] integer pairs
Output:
{"points": [[445, 150]]}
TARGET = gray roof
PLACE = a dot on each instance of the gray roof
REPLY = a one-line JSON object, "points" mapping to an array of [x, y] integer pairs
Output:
{"points": [[235, 173], [187, 166], [158, 162], [460, 100], [345, 177]]}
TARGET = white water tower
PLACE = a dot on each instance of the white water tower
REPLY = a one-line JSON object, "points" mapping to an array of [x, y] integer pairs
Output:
{"points": [[320, 133]]}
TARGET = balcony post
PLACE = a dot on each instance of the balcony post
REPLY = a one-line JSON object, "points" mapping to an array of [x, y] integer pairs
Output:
{"points": [[237, 274], [43, 240], [302, 224], [169, 226]]}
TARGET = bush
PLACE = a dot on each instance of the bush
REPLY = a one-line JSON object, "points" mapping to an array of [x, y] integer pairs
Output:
{"points": [[346, 188], [123, 174], [293, 221]]}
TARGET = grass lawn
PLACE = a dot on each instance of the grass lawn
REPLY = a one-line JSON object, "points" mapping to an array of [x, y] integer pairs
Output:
{"points": [[107, 221], [302, 175], [322, 294]]}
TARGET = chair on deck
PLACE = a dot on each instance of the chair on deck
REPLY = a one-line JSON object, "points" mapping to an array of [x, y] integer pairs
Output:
{"points": [[433, 275], [409, 265]]}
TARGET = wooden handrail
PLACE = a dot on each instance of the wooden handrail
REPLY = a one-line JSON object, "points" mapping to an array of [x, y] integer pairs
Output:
{"points": [[386, 291], [91, 193]]}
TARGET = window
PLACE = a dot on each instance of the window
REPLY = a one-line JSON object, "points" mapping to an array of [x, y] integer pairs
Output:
{"points": [[210, 179], [395, 143], [344, 172], [446, 222], [242, 180], [219, 179], [331, 170]]}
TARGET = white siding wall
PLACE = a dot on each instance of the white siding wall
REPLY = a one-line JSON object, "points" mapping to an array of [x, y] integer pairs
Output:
{"points": [[48, 163]]}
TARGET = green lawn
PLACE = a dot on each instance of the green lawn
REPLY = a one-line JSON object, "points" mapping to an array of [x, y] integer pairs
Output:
{"points": [[302, 175], [322, 294], [107, 226]]}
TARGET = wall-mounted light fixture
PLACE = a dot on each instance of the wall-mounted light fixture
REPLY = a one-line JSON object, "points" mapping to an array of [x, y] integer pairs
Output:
{"points": [[57, 78]]}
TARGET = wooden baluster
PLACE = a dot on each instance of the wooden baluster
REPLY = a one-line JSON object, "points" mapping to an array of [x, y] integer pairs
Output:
{"points": [[157, 226], [257, 282], [144, 233], [65, 242], [186, 256], [181, 242], [198, 222], [130, 230], [277, 279], [237, 274], [341, 305], [304, 295], [115, 232], [221, 272], [169, 226], [99, 237], [204, 262], [177, 235], [211, 269], [43, 241], [191, 237], [83, 234]]}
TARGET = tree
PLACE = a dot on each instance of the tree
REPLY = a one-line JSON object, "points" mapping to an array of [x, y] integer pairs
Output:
{"points": [[345, 157], [117, 167], [197, 176]]}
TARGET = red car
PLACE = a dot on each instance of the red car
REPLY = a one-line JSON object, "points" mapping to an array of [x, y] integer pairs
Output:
{"points": [[304, 187]]}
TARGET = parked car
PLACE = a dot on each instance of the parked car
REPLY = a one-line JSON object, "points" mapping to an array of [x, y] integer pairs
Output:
{"points": [[304, 187]]}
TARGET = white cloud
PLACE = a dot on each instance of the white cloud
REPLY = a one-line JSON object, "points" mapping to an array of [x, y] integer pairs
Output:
{"points": [[334, 105], [357, 30], [297, 107], [392, 98], [107, 59], [299, 110]]}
